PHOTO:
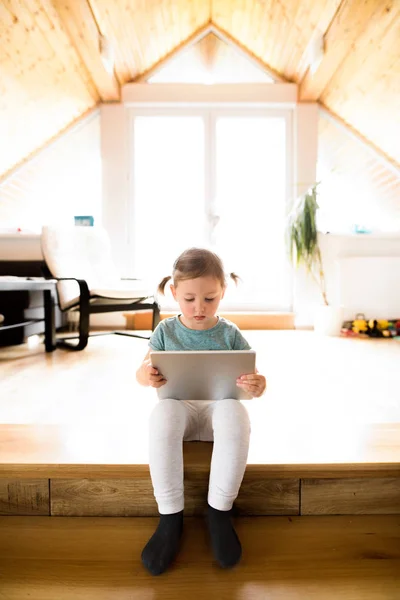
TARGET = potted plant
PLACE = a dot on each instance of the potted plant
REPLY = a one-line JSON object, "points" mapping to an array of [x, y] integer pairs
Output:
{"points": [[303, 246]]}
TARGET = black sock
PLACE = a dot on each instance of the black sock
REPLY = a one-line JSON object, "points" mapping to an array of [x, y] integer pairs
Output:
{"points": [[163, 546], [224, 540]]}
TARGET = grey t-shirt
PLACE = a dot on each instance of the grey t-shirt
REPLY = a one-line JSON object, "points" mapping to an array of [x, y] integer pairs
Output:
{"points": [[171, 334]]}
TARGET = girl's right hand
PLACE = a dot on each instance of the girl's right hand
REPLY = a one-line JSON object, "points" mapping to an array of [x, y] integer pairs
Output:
{"points": [[154, 378]]}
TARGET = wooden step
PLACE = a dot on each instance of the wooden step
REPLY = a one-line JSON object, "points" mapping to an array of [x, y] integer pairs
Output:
{"points": [[103, 471], [325, 438], [296, 558], [120, 451]]}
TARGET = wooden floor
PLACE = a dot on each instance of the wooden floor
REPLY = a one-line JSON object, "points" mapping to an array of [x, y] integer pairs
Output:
{"points": [[73, 438], [329, 401], [295, 558]]}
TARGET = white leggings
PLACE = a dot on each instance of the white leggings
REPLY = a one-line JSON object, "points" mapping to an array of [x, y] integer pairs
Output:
{"points": [[225, 422]]}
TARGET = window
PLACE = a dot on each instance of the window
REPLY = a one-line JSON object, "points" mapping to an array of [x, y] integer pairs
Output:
{"points": [[218, 178], [168, 207], [250, 179]]}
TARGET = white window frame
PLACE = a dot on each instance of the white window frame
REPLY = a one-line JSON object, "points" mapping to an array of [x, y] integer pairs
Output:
{"points": [[210, 112]]}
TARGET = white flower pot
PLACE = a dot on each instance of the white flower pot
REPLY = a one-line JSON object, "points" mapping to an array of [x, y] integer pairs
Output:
{"points": [[328, 320]]}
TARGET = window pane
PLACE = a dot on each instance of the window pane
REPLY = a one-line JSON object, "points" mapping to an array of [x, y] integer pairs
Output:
{"points": [[251, 204], [168, 201]]}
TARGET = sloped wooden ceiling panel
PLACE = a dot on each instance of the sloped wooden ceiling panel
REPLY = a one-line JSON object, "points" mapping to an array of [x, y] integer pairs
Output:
{"points": [[351, 175], [359, 76], [277, 31], [51, 72], [44, 86], [142, 32], [80, 23], [365, 89]]}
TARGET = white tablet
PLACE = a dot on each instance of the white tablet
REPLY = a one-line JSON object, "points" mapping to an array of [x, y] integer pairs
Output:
{"points": [[203, 375]]}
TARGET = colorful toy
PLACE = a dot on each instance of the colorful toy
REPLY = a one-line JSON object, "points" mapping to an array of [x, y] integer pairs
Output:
{"points": [[360, 325], [374, 328]]}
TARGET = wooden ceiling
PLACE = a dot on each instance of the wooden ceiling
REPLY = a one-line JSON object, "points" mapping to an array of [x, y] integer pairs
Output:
{"points": [[51, 72]]}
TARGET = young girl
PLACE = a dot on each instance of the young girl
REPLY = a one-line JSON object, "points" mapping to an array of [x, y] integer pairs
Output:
{"points": [[198, 287]]}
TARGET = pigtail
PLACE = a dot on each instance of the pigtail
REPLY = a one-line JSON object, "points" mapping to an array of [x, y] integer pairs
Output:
{"points": [[235, 277], [161, 285]]}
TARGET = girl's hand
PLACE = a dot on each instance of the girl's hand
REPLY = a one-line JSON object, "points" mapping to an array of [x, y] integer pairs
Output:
{"points": [[253, 383], [153, 377]]}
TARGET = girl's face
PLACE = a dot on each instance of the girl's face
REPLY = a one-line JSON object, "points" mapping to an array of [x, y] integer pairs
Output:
{"points": [[198, 300]]}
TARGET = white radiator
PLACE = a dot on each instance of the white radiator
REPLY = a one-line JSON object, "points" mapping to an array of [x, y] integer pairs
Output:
{"points": [[20, 246], [370, 285]]}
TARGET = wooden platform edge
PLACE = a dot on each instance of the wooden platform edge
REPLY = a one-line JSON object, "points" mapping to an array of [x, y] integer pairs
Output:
{"points": [[198, 470], [257, 497]]}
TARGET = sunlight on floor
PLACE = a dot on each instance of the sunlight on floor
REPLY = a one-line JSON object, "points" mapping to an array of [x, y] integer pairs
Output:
{"points": [[337, 383]]}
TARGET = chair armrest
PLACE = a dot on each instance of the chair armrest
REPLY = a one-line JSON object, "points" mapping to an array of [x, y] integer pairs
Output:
{"points": [[83, 288]]}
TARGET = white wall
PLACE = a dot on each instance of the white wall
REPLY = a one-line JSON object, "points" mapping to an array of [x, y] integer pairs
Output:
{"points": [[115, 179], [306, 146], [59, 182], [358, 187], [379, 293]]}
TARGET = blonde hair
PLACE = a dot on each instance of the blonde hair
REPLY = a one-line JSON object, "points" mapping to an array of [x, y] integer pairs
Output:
{"points": [[194, 263]]}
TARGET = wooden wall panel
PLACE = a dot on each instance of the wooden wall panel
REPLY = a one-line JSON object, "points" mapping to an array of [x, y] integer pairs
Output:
{"points": [[359, 73], [109, 497], [44, 85], [340, 38], [259, 496], [365, 90], [29, 497], [134, 497], [82, 28], [241, 17], [144, 32], [350, 496], [312, 20], [51, 73], [276, 31]]}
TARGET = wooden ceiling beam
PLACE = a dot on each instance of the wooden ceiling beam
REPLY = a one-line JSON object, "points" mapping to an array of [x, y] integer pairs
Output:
{"points": [[80, 23], [347, 26]]}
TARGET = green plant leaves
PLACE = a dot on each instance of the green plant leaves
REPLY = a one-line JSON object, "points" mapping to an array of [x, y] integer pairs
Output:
{"points": [[302, 237]]}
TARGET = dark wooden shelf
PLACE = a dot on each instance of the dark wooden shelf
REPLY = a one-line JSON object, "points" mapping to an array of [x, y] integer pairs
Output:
{"points": [[22, 324], [33, 284]]}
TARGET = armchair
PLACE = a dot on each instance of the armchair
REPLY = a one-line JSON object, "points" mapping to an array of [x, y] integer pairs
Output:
{"points": [[79, 258]]}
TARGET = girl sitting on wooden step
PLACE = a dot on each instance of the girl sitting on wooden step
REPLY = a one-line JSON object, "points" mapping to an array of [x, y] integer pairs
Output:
{"points": [[198, 285]]}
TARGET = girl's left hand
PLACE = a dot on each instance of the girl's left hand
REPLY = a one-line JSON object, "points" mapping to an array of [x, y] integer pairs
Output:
{"points": [[253, 383]]}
